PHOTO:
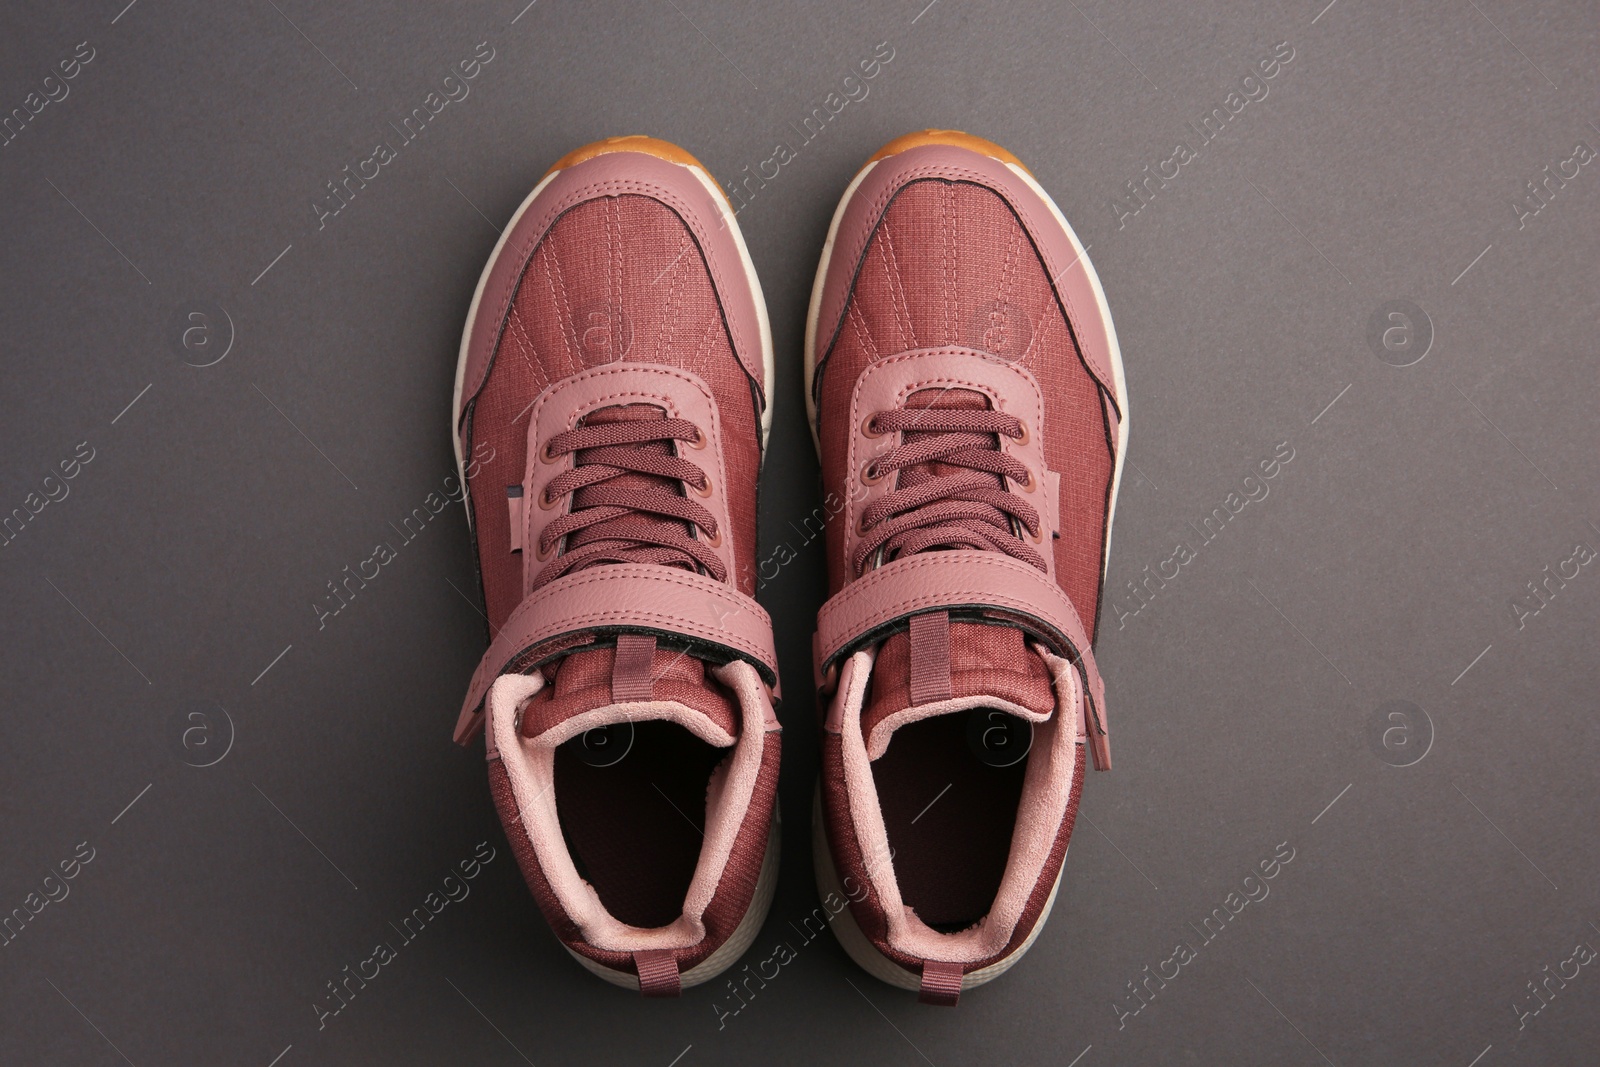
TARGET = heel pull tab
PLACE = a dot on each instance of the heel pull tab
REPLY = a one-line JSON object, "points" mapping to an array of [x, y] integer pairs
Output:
{"points": [[658, 972], [941, 983]]}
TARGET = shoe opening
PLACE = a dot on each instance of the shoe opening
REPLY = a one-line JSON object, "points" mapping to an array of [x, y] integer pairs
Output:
{"points": [[949, 817], [634, 827]]}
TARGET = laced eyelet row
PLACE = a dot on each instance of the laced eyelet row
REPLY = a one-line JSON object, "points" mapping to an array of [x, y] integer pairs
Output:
{"points": [[975, 497], [590, 457]]}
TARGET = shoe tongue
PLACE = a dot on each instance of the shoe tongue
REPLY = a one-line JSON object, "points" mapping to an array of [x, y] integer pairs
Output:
{"points": [[680, 689], [989, 666]]}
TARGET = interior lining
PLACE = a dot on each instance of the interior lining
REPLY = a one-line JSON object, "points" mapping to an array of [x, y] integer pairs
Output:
{"points": [[635, 829], [949, 853]]}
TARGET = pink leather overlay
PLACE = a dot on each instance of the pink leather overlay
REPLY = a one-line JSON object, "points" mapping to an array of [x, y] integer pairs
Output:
{"points": [[618, 174], [949, 163], [886, 383], [679, 393], [964, 580], [626, 597]]}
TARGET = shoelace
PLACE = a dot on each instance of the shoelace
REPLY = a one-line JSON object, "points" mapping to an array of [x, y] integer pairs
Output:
{"points": [[630, 493], [960, 498]]}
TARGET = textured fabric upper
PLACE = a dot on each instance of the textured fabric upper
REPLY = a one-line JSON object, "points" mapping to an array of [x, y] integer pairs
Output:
{"points": [[614, 278], [950, 264], [984, 661], [584, 683]]}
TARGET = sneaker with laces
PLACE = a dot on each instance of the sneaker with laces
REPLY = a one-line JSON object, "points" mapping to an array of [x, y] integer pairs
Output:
{"points": [[611, 408], [966, 392]]}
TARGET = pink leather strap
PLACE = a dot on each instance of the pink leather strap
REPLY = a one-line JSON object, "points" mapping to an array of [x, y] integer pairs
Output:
{"points": [[986, 584], [627, 598]]}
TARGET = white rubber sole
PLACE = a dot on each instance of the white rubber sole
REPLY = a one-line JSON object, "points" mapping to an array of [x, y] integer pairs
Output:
{"points": [[729, 952], [866, 955], [1119, 384], [727, 219]]}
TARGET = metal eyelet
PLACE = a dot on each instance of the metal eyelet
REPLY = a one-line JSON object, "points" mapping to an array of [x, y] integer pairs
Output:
{"points": [[868, 475], [714, 541], [703, 493], [541, 555], [699, 440], [1024, 435], [866, 427], [545, 503], [546, 456], [1038, 538], [1028, 486]]}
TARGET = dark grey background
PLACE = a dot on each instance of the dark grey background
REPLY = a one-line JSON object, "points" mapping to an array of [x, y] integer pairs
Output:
{"points": [[179, 573]]}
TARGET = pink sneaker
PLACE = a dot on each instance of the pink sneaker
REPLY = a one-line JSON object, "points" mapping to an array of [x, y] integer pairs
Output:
{"points": [[966, 392], [611, 409]]}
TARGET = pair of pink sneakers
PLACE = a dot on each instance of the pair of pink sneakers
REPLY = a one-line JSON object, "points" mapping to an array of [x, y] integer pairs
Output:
{"points": [[965, 390]]}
